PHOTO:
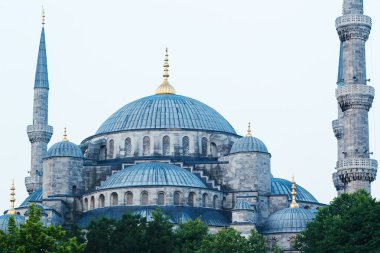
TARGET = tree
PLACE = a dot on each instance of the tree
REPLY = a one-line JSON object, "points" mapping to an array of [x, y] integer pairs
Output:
{"points": [[189, 236], [159, 234], [99, 236], [257, 242], [351, 223]]}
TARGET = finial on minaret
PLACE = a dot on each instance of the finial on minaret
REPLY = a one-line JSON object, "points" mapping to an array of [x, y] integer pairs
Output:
{"points": [[43, 15], [249, 131], [12, 210], [65, 135], [294, 194], [165, 87]]}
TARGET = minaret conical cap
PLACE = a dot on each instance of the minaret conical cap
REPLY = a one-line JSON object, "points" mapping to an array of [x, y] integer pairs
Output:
{"points": [[41, 79], [165, 87]]}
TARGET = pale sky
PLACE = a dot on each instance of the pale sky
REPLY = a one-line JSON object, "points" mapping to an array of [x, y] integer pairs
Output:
{"points": [[273, 63]]}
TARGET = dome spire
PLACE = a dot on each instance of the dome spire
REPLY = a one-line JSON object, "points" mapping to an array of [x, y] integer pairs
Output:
{"points": [[294, 194], [65, 135], [249, 131], [165, 87], [12, 210]]}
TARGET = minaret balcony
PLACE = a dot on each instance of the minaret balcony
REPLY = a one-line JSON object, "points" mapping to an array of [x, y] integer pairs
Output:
{"points": [[39, 133], [353, 26], [353, 19], [355, 96], [352, 169]]}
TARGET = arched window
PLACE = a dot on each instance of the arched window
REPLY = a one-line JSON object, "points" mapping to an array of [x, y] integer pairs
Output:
{"points": [[114, 199], [177, 198], [191, 199], [214, 150], [128, 146], [86, 204], [161, 199], [215, 201], [101, 200], [166, 145], [144, 198], [92, 203], [186, 145], [146, 145], [224, 202], [204, 146], [129, 198], [307, 207], [111, 144], [205, 200]]}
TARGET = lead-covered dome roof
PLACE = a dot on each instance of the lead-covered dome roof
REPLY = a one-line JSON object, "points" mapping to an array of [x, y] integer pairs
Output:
{"points": [[152, 174], [248, 144], [64, 149], [281, 186], [166, 111], [288, 220]]}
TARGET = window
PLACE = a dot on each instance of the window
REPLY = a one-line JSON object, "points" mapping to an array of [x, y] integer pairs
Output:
{"points": [[74, 189], [128, 146], [177, 198], [204, 146], [205, 200], [185, 145], [144, 198], [214, 150], [166, 145], [129, 198], [111, 146], [215, 201], [101, 200], [191, 199], [114, 199], [92, 203], [86, 204], [146, 145], [161, 199]]}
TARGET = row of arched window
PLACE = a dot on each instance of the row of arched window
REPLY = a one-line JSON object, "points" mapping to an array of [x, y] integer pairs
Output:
{"points": [[144, 200], [165, 146]]}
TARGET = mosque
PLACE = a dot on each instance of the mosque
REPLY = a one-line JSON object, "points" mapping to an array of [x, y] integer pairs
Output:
{"points": [[175, 153]]}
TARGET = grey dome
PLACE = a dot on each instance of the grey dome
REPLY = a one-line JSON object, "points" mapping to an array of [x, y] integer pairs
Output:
{"points": [[248, 144], [288, 220], [4, 221], [152, 174], [63, 149]]}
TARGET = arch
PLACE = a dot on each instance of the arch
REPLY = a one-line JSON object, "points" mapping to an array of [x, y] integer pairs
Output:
{"points": [[166, 145], [186, 145], [205, 200], [161, 199], [128, 146], [101, 201], [204, 146], [144, 198], [224, 200], [129, 198], [114, 199], [307, 207], [191, 199], [74, 189], [92, 203], [215, 201], [111, 147], [146, 145], [85, 204], [177, 198], [214, 149]]}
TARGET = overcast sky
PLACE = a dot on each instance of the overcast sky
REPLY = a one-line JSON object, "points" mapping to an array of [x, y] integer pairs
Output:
{"points": [[273, 63]]}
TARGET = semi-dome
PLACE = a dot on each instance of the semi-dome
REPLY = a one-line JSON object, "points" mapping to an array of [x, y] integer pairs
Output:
{"points": [[152, 174], [288, 220], [4, 221], [166, 111], [281, 186], [248, 144], [64, 148]]}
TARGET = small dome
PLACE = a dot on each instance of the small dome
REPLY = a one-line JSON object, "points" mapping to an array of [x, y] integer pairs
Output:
{"points": [[64, 149], [288, 220], [248, 144], [4, 221], [281, 186], [243, 205], [152, 174]]}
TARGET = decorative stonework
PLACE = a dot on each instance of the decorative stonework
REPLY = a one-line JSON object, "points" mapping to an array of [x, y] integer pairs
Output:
{"points": [[357, 169], [353, 19], [39, 133], [355, 96], [338, 129], [339, 185]]}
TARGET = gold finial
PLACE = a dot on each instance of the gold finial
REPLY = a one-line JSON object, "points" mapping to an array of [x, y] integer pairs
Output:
{"points": [[165, 87], [12, 210], [294, 193], [43, 15], [65, 135], [249, 131]]}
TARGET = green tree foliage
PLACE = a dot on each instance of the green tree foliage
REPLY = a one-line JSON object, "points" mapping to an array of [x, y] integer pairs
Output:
{"points": [[159, 233], [351, 223], [257, 243], [99, 236], [33, 237], [189, 236]]}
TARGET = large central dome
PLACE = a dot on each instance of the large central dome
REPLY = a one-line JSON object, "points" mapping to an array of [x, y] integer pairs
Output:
{"points": [[166, 111]]}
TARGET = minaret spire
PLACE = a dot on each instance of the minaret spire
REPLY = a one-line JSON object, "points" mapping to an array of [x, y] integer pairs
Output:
{"points": [[39, 132], [12, 210], [294, 195], [165, 87], [355, 169]]}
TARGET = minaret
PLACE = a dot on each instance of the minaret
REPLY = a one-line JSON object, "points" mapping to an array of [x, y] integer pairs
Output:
{"points": [[39, 132], [354, 169]]}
